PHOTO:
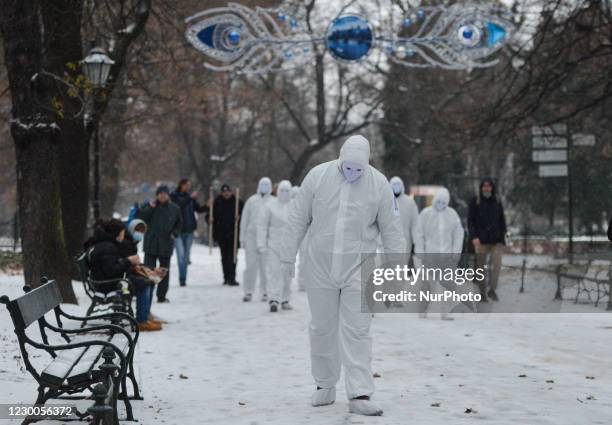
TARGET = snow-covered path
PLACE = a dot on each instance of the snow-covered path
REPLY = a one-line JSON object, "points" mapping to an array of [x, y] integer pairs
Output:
{"points": [[221, 361]]}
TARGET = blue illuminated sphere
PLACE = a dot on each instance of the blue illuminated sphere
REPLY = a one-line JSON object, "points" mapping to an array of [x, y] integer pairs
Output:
{"points": [[234, 37], [407, 22], [468, 33], [349, 37]]}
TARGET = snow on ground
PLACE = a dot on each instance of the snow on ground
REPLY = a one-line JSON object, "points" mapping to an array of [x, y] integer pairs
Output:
{"points": [[244, 365]]}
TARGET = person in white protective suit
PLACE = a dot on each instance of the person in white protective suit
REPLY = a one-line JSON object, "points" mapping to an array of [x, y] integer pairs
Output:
{"points": [[439, 231], [255, 260], [272, 222], [409, 212], [301, 266], [343, 205]]}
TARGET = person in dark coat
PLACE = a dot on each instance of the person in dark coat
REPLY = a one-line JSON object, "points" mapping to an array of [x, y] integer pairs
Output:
{"points": [[610, 230], [224, 216], [164, 224], [189, 207], [106, 256], [487, 231]]}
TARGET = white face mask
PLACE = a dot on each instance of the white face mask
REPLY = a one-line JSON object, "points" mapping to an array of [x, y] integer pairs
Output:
{"points": [[138, 236], [352, 171], [397, 187], [284, 194], [439, 205], [265, 187]]}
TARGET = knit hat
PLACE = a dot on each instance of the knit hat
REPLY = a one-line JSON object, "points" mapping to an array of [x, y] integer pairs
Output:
{"points": [[162, 188]]}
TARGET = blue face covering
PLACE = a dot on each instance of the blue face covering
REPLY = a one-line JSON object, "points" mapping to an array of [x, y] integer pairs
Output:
{"points": [[352, 171], [138, 236]]}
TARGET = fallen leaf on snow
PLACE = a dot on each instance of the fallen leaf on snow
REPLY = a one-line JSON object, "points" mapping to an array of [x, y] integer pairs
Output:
{"points": [[376, 375], [183, 376]]}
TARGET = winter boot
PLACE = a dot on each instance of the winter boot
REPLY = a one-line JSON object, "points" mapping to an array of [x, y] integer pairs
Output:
{"points": [[247, 298], [364, 406], [286, 306], [323, 396], [149, 326], [493, 295], [183, 283], [273, 306]]}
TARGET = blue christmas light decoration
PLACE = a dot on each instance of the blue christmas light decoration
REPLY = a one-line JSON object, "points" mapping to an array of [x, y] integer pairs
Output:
{"points": [[349, 37], [254, 41]]}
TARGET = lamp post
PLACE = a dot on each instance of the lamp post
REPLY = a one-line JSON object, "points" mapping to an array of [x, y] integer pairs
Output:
{"points": [[96, 67]]}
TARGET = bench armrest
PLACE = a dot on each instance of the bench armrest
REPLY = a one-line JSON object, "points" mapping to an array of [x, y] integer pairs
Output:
{"points": [[115, 328], [116, 314]]}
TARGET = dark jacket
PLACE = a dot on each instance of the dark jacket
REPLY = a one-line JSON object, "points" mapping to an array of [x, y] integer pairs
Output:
{"points": [[163, 225], [189, 207], [486, 219], [224, 217], [106, 257], [610, 230]]}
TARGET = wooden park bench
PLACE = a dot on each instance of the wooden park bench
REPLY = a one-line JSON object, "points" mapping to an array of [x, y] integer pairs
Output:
{"points": [[116, 300], [102, 354], [593, 278]]}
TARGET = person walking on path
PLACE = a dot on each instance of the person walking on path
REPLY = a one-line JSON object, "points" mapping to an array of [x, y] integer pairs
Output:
{"points": [[255, 260], [487, 231], [224, 227], [189, 206], [164, 224], [271, 224], [345, 205]]}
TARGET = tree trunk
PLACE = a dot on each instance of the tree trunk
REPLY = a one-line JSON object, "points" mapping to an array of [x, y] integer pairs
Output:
{"points": [[62, 41], [113, 144], [35, 135]]}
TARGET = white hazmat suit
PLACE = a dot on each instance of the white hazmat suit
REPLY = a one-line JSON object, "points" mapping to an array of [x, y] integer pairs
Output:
{"points": [[409, 212], [272, 222], [301, 267], [343, 205], [255, 261], [439, 231]]}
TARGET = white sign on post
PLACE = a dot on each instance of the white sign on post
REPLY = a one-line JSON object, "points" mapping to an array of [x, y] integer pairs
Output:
{"points": [[555, 155], [581, 139], [553, 170], [549, 142], [549, 130]]}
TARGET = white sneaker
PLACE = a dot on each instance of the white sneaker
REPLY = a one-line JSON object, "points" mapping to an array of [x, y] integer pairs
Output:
{"points": [[364, 407], [286, 306], [323, 396], [446, 316], [423, 315], [247, 298], [264, 298]]}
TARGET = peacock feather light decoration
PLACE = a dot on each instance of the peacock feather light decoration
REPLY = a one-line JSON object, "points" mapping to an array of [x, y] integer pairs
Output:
{"points": [[260, 40]]}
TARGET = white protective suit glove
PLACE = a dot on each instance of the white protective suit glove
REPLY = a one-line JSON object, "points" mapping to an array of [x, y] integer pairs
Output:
{"points": [[288, 269]]}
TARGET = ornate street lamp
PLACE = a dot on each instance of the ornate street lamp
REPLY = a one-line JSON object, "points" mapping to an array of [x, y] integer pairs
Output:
{"points": [[96, 67]]}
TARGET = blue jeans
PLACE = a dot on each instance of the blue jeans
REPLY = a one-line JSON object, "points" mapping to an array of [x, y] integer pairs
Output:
{"points": [[183, 252], [143, 303]]}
